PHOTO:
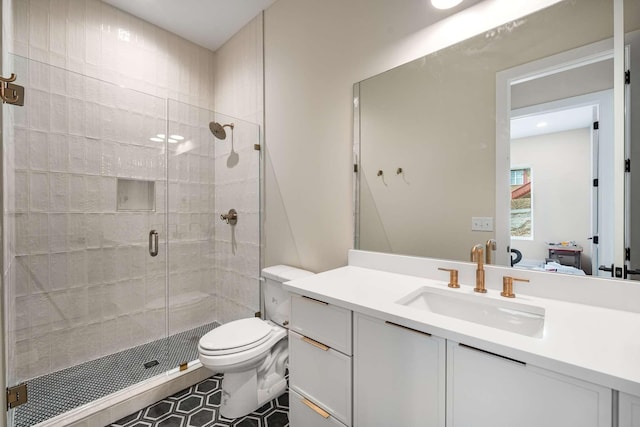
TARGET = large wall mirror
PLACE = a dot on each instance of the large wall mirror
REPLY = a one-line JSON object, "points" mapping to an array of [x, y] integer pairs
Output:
{"points": [[439, 170]]}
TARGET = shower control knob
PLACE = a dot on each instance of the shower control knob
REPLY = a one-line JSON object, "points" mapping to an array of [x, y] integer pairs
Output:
{"points": [[231, 218]]}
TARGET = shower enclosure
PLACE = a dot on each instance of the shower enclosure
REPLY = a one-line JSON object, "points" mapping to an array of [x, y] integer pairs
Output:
{"points": [[116, 259]]}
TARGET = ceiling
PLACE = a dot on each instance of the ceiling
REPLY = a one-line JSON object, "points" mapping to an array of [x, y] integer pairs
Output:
{"points": [[551, 122], [209, 23]]}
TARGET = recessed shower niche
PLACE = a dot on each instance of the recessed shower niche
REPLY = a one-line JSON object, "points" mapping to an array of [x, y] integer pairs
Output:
{"points": [[136, 195]]}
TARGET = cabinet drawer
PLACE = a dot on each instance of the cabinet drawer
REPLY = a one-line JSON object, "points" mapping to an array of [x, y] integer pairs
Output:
{"points": [[322, 322], [304, 413], [321, 374]]}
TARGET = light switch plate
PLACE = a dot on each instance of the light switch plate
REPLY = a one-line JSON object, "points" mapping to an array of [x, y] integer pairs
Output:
{"points": [[481, 223], [487, 223]]}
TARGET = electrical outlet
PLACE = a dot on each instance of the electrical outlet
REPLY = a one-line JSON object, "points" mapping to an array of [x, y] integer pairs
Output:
{"points": [[476, 223], [487, 223]]}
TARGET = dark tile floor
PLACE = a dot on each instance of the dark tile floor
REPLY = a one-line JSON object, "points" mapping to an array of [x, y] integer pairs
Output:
{"points": [[199, 406]]}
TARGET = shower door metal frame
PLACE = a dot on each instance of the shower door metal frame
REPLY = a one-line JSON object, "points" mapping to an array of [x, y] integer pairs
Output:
{"points": [[3, 358]]}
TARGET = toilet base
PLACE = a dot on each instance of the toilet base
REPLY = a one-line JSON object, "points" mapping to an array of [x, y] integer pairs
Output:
{"points": [[241, 395]]}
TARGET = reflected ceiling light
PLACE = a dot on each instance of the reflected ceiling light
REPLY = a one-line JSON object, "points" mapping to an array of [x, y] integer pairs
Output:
{"points": [[172, 139], [445, 4], [124, 35], [542, 124]]}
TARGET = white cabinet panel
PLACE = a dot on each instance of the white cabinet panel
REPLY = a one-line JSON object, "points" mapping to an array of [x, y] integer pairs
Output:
{"points": [[304, 413], [629, 410], [323, 322], [399, 375], [321, 374], [487, 390]]}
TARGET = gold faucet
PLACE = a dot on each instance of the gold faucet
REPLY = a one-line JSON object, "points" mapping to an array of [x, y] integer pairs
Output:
{"points": [[477, 256], [490, 246], [507, 286], [453, 277]]}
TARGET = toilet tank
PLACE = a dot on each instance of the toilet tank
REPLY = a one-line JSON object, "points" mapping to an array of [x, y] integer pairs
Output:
{"points": [[277, 301]]}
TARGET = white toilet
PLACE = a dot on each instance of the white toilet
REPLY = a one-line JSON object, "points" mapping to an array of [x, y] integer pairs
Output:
{"points": [[253, 353]]}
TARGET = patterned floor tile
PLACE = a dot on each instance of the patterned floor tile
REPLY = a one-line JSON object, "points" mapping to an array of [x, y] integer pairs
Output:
{"points": [[199, 406]]}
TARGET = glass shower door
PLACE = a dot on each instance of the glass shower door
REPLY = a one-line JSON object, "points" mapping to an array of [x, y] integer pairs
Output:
{"points": [[214, 264], [84, 184]]}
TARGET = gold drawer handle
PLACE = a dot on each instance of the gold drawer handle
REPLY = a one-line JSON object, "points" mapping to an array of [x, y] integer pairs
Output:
{"points": [[407, 328], [316, 408], [315, 343], [314, 300]]}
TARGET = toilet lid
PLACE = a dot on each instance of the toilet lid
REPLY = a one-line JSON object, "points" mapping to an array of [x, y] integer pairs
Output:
{"points": [[239, 333]]}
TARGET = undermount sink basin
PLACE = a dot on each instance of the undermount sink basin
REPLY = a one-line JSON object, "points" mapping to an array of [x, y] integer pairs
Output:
{"points": [[510, 316]]}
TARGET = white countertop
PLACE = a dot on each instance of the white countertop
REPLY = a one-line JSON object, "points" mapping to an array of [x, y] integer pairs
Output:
{"points": [[596, 344]]}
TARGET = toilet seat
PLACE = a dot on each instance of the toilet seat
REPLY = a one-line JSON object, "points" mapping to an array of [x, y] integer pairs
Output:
{"points": [[235, 337], [246, 352]]}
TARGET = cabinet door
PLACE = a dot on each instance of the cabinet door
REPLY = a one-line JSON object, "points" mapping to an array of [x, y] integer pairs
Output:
{"points": [[488, 390], [399, 375], [629, 411]]}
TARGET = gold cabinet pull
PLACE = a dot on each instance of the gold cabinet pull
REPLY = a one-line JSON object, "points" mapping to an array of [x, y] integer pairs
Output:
{"points": [[315, 343], [407, 328], [315, 300], [318, 410], [492, 354]]}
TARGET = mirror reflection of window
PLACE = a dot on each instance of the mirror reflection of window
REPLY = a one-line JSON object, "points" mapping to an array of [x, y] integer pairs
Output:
{"points": [[521, 212]]}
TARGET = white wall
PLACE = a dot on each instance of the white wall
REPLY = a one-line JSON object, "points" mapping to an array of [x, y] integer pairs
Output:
{"points": [[561, 190], [314, 52]]}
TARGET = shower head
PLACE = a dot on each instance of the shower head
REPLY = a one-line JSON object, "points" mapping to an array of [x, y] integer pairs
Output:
{"points": [[218, 130]]}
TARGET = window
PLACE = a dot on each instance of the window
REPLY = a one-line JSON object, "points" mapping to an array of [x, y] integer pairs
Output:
{"points": [[521, 206], [517, 177]]}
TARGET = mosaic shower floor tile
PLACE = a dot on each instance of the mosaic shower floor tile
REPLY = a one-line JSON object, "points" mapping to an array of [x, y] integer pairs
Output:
{"points": [[56, 393]]}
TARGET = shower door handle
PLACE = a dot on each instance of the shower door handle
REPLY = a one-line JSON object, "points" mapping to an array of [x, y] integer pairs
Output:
{"points": [[153, 243]]}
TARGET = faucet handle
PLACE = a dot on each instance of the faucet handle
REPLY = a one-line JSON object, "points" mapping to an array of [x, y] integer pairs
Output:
{"points": [[507, 286], [453, 277]]}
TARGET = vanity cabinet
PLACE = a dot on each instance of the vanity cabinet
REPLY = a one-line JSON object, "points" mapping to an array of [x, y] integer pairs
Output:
{"points": [[320, 365], [629, 410], [488, 390], [399, 375]]}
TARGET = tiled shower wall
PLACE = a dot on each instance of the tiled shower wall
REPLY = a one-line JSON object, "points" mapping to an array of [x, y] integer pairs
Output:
{"points": [[95, 39], [84, 284], [239, 93]]}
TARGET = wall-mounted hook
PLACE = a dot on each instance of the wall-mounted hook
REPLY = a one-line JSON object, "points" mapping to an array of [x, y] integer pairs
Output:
{"points": [[380, 173], [399, 171]]}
